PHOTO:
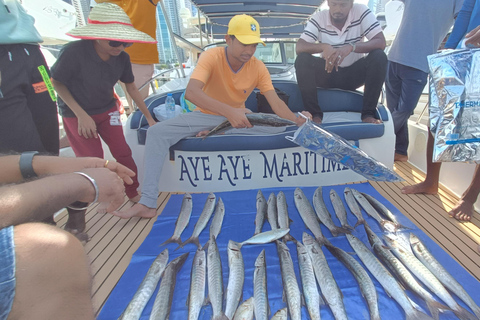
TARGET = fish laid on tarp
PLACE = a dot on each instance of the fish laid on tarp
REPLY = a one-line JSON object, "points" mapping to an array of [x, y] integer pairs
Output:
{"points": [[328, 286], [196, 296], [280, 314], [265, 237], [309, 284], [245, 310], [202, 221], [236, 277], [388, 282], [261, 212], [402, 273], [215, 280], [163, 300], [289, 280], [339, 209], [324, 215], [422, 253], [308, 215], [370, 210], [282, 215], [146, 288], [272, 211], [353, 206], [333, 147], [260, 296], [217, 219], [380, 207], [364, 281], [256, 119], [427, 278], [182, 220]]}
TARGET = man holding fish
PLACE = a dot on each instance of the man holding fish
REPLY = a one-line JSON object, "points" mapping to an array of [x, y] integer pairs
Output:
{"points": [[219, 86]]}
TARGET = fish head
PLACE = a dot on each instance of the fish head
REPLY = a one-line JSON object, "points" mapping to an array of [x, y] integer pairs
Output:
{"points": [[307, 239], [260, 261], [187, 196], [234, 246], [414, 240], [281, 245], [211, 197], [260, 195], [271, 198], [372, 237]]}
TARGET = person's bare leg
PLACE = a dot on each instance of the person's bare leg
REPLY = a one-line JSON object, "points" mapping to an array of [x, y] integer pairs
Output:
{"points": [[464, 209], [52, 275], [430, 184]]}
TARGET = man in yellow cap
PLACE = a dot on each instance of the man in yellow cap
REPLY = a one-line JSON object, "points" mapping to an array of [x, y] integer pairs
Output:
{"points": [[219, 86]]}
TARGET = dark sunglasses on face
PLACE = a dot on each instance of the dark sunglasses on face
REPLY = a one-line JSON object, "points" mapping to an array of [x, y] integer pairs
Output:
{"points": [[115, 44]]}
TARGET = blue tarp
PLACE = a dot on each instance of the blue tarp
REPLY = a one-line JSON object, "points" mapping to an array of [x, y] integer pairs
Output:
{"points": [[238, 225]]}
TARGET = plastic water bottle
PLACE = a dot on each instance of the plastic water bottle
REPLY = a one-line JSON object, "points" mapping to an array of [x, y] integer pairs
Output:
{"points": [[170, 106]]}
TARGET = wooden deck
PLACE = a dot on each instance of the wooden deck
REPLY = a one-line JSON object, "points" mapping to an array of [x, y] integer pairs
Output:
{"points": [[113, 240]]}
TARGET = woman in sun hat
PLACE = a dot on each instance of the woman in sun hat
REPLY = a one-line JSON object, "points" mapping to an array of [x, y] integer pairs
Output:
{"points": [[84, 76]]}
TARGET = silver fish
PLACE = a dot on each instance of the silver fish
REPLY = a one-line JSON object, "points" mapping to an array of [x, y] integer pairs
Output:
{"points": [[289, 280], [236, 278], [196, 296], [364, 281], [402, 273], [309, 285], [245, 310], [215, 279], [261, 212], [202, 221], [182, 220], [339, 209], [380, 207], [265, 237], [429, 279], [422, 253], [272, 211], [353, 206], [163, 300], [217, 220], [330, 290], [282, 215], [370, 210], [146, 288], [324, 215], [260, 296], [308, 215], [387, 281], [256, 119], [280, 314]]}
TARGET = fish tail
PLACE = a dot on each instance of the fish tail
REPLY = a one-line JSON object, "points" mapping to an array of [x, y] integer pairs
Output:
{"points": [[289, 237], [359, 222], [197, 242], [347, 226], [435, 308], [337, 230], [221, 316], [418, 315], [182, 244], [388, 225], [401, 226], [172, 239], [464, 314]]}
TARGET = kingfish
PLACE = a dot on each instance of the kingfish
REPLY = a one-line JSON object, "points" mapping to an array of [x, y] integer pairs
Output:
{"points": [[339, 209], [324, 215], [370, 210], [202, 221], [236, 278], [380, 207], [215, 279], [280, 314], [309, 285], [422, 253], [163, 300], [265, 237], [146, 288], [289, 280], [261, 212], [330, 290], [196, 296], [260, 296], [217, 220], [308, 215], [256, 119], [245, 310], [353, 206], [387, 281], [272, 211], [427, 278], [182, 220], [282, 215]]}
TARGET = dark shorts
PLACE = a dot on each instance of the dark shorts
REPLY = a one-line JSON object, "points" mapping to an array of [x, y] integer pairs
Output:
{"points": [[7, 272]]}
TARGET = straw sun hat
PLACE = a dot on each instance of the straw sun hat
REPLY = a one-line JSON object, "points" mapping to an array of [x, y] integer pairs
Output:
{"points": [[107, 21]]}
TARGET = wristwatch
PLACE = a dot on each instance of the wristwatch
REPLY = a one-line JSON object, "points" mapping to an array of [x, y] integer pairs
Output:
{"points": [[353, 45]]}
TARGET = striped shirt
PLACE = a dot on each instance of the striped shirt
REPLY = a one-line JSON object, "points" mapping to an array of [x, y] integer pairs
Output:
{"points": [[361, 23]]}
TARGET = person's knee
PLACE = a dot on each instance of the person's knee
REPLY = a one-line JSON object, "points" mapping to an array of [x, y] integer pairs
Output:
{"points": [[378, 58], [304, 60]]}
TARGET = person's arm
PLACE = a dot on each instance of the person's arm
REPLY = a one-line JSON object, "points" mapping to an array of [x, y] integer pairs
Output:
{"points": [[86, 126], [473, 37], [282, 110], [461, 24], [137, 97], [312, 48], [39, 199], [236, 116]]}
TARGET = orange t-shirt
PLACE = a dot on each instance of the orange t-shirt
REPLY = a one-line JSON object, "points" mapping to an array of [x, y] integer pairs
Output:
{"points": [[142, 14], [225, 85]]}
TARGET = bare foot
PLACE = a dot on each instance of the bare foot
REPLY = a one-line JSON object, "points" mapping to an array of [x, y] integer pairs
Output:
{"points": [[372, 120], [102, 207], [400, 157], [136, 198], [422, 188], [317, 120], [138, 210], [463, 211]]}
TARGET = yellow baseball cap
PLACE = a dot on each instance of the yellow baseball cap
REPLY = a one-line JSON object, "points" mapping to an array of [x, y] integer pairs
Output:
{"points": [[245, 29]]}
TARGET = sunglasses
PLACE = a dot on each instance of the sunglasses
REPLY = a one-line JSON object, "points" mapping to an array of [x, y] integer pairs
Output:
{"points": [[116, 44]]}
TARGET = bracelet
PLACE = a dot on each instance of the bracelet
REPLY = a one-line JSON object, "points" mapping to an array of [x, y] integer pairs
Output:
{"points": [[25, 163], [353, 45], [94, 183]]}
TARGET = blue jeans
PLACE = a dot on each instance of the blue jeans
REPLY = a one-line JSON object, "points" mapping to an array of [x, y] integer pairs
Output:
{"points": [[7, 272], [403, 85]]}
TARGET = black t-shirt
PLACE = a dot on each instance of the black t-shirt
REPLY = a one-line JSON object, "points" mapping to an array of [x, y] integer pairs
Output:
{"points": [[89, 78]]}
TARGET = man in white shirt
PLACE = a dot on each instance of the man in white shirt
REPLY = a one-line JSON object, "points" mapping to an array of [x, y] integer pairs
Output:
{"points": [[346, 61]]}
